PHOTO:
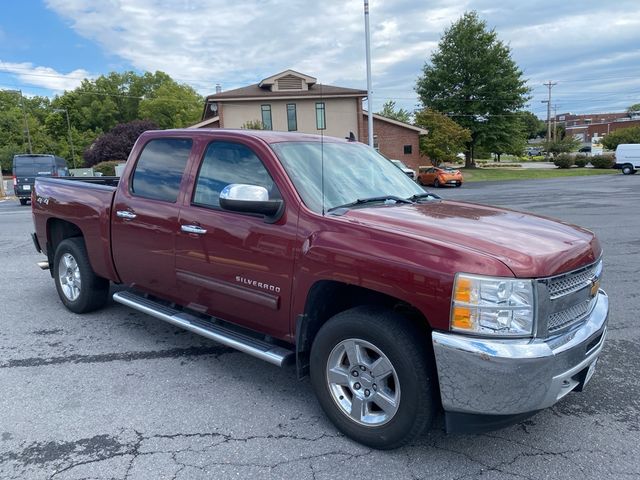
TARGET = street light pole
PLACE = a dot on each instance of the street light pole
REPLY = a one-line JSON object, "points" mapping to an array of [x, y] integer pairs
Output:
{"points": [[73, 155]]}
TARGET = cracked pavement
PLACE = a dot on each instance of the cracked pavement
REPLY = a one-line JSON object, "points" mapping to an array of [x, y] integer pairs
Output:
{"points": [[116, 394]]}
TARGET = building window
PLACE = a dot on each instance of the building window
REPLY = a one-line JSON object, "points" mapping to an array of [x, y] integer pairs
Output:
{"points": [[376, 144], [321, 123], [292, 121], [408, 149], [266, 117]]}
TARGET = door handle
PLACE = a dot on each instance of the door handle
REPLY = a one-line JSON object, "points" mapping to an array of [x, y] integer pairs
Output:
{"points": [[126, 214], [193, 229]]}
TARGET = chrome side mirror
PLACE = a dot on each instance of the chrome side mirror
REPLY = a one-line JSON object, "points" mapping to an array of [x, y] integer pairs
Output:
{"points": [[239, 197]]}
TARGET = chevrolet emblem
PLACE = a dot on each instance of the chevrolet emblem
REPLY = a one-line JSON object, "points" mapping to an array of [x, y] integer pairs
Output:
{"points": [[595, 286]]}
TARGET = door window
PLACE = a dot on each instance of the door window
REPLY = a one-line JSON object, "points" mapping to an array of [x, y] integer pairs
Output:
{"points": [[225, 163], [160, 168]]}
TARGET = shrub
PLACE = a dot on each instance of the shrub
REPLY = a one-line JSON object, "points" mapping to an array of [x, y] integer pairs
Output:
{"points": [[581, 161], [602, 161], [108, 168], [563, 161]]}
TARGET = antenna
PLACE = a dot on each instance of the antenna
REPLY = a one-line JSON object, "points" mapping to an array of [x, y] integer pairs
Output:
{"points": [[322, 147]]}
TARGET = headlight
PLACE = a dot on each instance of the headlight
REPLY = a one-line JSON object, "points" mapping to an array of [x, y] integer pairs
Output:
{"points": [[492, 306]]}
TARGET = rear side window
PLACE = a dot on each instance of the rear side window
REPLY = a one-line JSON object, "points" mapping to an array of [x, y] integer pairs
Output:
{"points": [[225, 163], [160, 168]]}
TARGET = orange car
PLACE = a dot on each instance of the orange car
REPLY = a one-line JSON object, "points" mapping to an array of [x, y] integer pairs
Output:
{"points": [[439, 177]]}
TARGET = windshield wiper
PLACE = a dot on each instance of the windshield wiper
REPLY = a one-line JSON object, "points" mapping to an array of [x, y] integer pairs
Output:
{"points": [[363, 201], [421, 196]]}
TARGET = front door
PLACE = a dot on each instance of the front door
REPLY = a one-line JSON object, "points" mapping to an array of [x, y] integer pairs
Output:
{"points": [[231, 265]]}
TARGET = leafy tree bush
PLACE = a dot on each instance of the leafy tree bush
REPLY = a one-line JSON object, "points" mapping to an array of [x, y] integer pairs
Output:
{"points": [[563, 161], [389, 111], [117, 143], [581, 161], [602, 161], [622, 135], [252, 125], [445, 139], [108, 169], [562, 145]]}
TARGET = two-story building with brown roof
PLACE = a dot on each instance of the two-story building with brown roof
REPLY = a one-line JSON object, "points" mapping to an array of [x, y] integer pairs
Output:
{"points": [[293, 101]]}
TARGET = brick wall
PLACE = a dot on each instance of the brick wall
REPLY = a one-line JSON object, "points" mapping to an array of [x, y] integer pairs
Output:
{"points": [[392, 140], [601, 130]]}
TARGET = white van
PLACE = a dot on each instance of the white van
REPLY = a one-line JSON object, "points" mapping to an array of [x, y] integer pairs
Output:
{"points": [[628, 158]]}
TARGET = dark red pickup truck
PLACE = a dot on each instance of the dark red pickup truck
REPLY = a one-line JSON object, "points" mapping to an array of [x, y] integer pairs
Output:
{"points": [[317, 251]]}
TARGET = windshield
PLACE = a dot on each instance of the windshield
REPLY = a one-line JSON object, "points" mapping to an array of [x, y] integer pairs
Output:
{"points": [[352, 171]]}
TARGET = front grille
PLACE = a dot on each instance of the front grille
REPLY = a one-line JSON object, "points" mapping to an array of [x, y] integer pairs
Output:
{"points": [[566, 318], [571, 282], [562, 314]]}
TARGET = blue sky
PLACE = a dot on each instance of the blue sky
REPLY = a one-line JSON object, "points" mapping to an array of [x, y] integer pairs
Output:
{"points": [[590, 48]]}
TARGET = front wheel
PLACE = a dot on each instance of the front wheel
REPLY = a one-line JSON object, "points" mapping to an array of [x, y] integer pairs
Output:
{"points": [[79, 288], [628, 170], [370, 372], [436, 183]]}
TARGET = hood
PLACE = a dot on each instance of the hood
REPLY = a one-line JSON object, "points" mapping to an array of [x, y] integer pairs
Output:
{"points": [[530, 245]]}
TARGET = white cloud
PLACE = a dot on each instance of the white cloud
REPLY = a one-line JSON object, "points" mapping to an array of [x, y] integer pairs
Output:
{"points": [[45, 77], [204, 42]]}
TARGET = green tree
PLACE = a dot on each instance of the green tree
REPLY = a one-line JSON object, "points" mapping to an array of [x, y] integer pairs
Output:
{"points": [[622, 135], [635, 108], [562, 145], [389, 111], [508, 136], [445, 138], [172, 106], [472, 77], [532, 125]]}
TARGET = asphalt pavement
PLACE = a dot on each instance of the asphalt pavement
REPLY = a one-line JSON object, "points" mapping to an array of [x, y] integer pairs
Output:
{"points": [[117, 394]]}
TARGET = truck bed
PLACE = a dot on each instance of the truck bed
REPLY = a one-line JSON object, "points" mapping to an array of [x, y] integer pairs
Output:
{"points": [[83, 201]]}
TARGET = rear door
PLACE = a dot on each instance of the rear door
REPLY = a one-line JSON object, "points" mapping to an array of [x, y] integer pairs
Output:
{"points": [[238, 267], [145, 215]]}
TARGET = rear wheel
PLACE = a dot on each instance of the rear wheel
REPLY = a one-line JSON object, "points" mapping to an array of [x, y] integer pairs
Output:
{"points": [[370, 372], [79, 288], [628, 169], [436, 183], [23, 201]]}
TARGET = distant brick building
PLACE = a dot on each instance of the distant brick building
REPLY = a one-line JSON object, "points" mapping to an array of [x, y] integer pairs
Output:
{"points": [[292, 101], [585, 127]]}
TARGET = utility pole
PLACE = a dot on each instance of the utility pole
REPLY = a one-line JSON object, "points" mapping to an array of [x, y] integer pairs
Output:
{"points": [[369, 90], [555, 123], [549, 85], [73, 155]]}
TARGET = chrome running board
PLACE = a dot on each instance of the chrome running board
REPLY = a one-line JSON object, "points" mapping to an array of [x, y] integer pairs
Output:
{"points": [[44, 265], [255, 347]]}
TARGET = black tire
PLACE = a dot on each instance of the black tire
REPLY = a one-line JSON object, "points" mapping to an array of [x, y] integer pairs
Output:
{"points": [[436, 183], [628, 169], [92, 292], [23, 201], [403, 346]]}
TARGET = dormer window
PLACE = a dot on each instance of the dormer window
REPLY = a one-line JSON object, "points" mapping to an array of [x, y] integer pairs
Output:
{"points": [[288, 81]]}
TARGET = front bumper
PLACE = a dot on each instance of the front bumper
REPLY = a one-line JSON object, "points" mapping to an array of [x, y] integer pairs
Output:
{"points": [[508, 378]]}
